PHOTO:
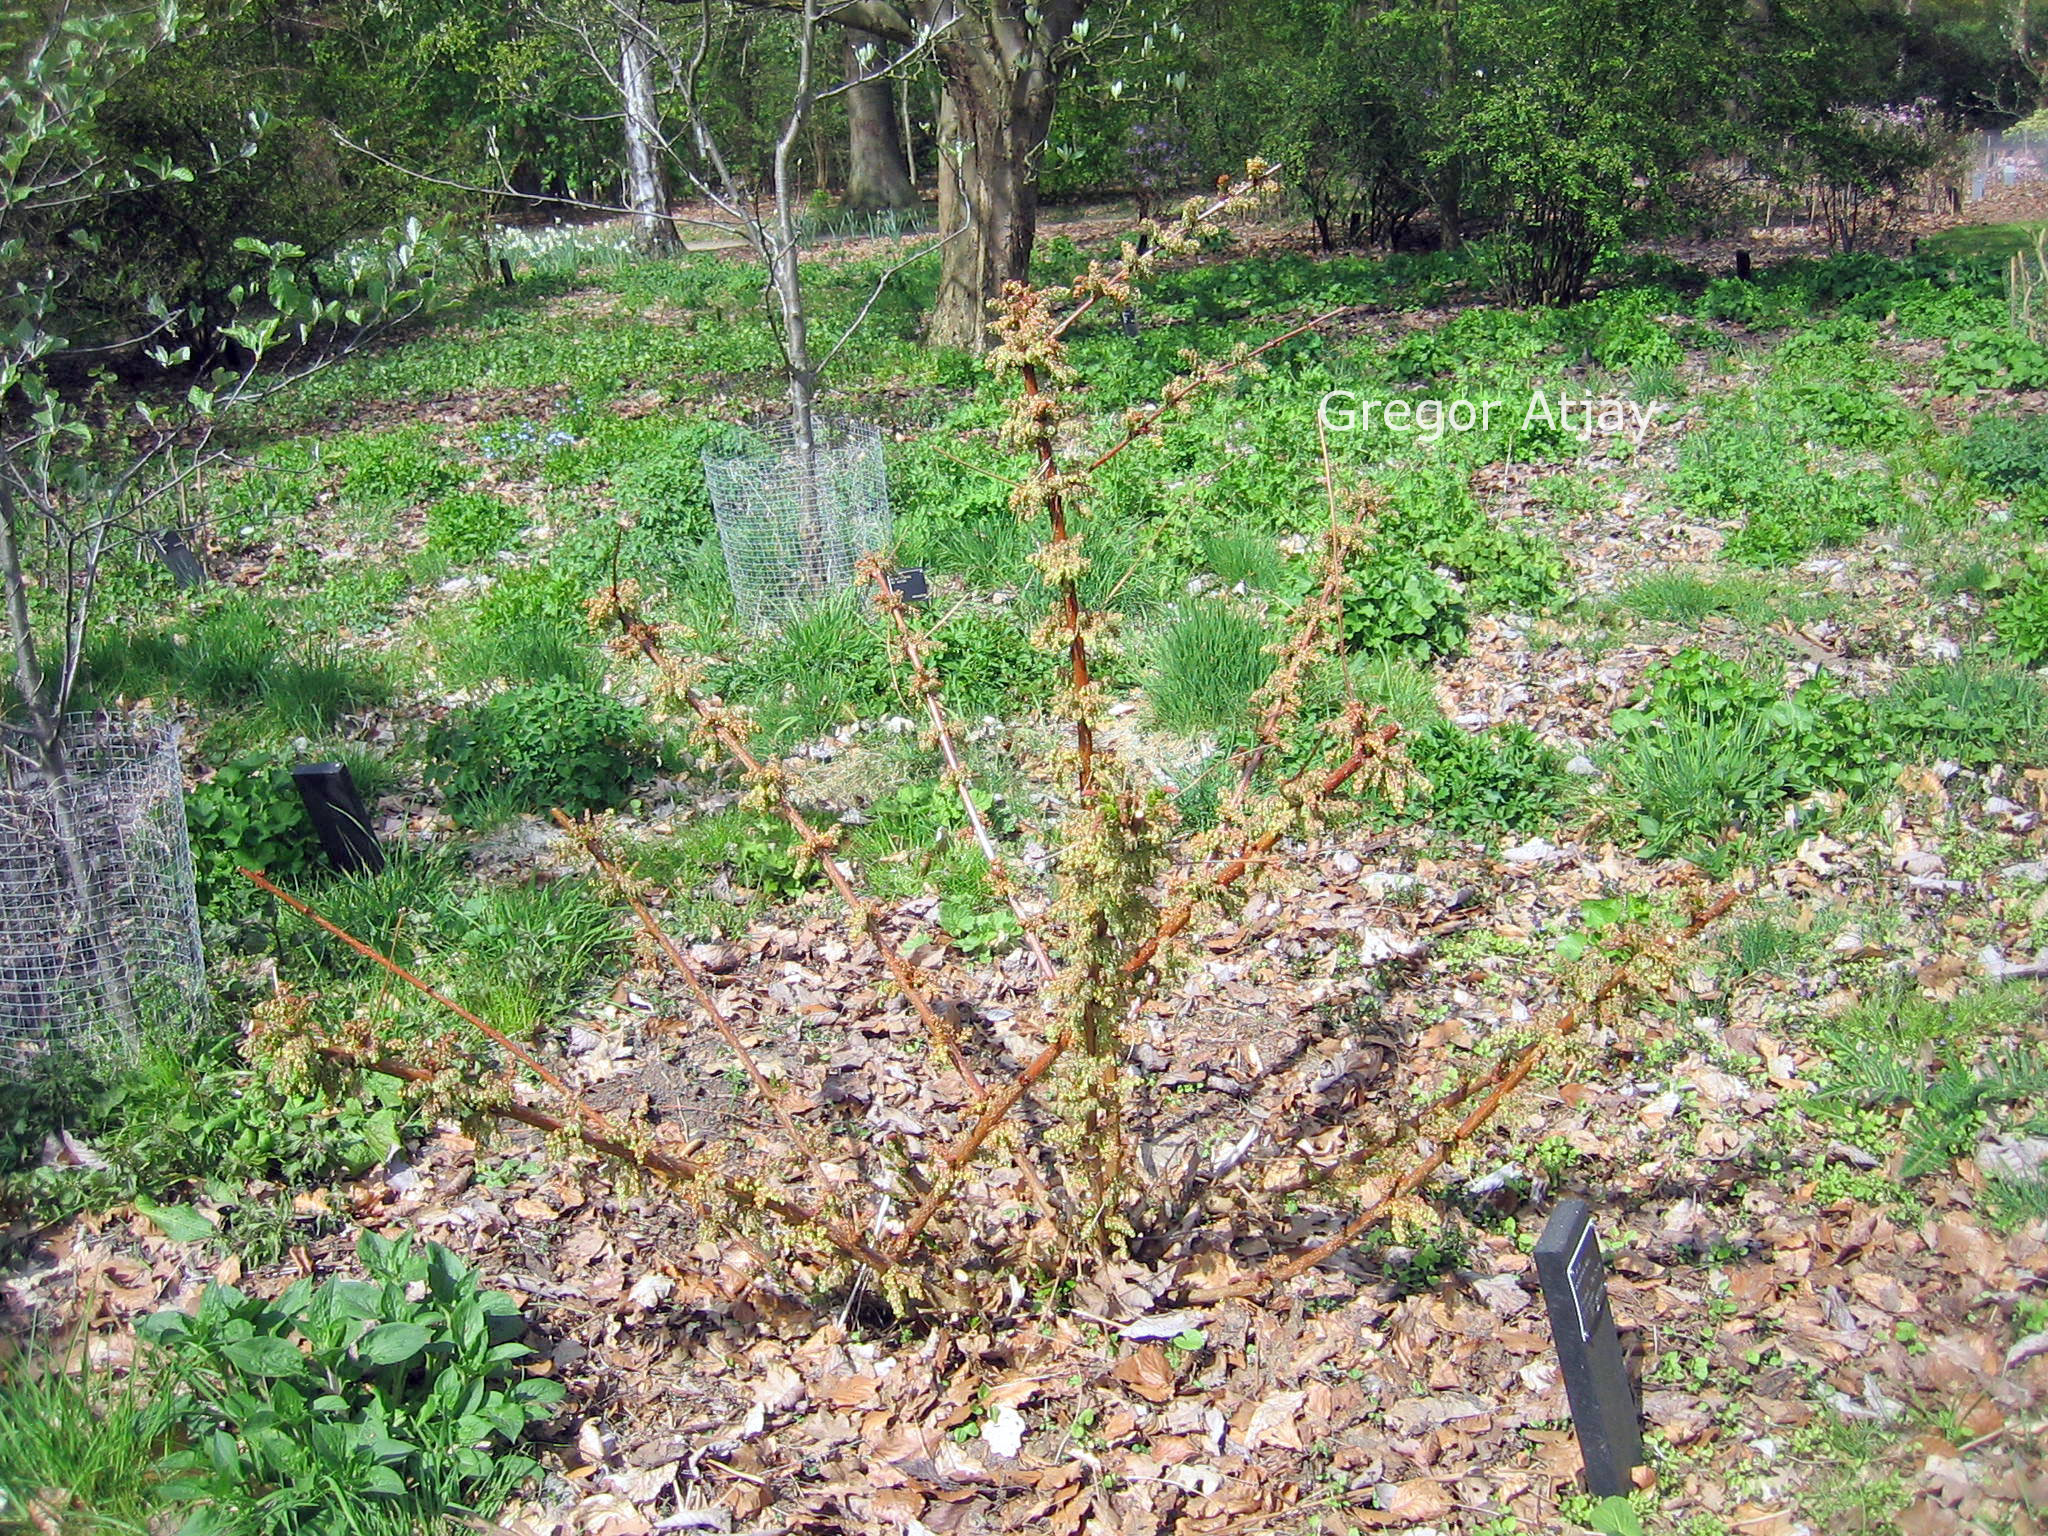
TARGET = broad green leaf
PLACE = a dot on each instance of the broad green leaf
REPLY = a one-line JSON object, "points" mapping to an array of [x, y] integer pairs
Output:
{"points": [[180, 1223], [265, 1356], [383, 1480], [393, 1343]]}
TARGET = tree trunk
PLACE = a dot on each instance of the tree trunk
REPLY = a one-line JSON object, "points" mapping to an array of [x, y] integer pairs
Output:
{"points": [[992, 125], [646, 181], [1448, 213], [1450, 176], [877, 175]]}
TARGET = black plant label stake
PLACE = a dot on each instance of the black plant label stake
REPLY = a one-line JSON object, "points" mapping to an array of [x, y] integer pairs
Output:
{"points": [[1604, 1412], [178, 558], [338, 815]]}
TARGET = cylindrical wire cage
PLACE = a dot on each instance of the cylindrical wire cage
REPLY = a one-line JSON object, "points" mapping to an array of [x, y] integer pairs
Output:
{"points": [[792, 521], [99, 923]]}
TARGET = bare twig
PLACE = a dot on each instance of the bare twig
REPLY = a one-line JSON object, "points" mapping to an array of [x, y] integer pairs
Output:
{"points": [[866, 917], [590, 1124], [925, 683], [1504, 1081], [587, 838]]}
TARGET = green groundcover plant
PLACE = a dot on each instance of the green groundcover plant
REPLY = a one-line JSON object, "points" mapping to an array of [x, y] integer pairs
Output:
{"points": [[390, 1401]]}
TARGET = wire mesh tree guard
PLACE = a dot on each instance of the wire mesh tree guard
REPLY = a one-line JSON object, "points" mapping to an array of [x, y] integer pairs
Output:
{"points": [[99, 923], [793, 518]]}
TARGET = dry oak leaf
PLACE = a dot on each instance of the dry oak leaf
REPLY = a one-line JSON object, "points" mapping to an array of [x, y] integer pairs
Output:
{"points": [[1146, 1373], [1772, 1522], [778, 1388], [1884, 1293], [1413, 1415], [1416, 1500], [851, 1392], [1925, 1517], [1274, 1422]]}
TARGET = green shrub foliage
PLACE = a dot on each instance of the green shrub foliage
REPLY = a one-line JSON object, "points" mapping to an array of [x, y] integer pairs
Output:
{"points": [[539, 745]]}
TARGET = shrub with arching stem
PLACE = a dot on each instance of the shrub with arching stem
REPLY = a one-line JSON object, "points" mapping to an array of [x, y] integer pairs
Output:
{"points": [[1099, 939]]}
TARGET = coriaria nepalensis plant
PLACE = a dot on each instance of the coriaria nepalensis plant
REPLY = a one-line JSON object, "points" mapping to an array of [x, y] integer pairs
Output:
{"points": [[1098, 944]]}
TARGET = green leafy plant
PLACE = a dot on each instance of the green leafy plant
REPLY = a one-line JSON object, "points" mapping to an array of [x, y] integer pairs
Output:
{"points": [[398, 1395], [978, 929], [468, 526], [522, 599], [1949, 1104], [990, 665], [246, 812], [2007, 453], [1808, 511], [2022, 614], [541, 745], [1505, 569], [662, 491], [1398, 604], [765, 855], [1711, 745], [1602, 921], [1694, 779], [1991, 357], [187, 1118], [1969, 711], [1500, 780], [382, 469]]}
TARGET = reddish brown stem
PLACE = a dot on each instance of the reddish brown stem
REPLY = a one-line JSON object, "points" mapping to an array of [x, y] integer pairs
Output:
{"points": [[928, 688], [1070, 603], [1144, 424], [1480, 1113], [1176, 921], [663, 1165], [865, 917], [962, 1152], [518, 1052], [588, 840]]}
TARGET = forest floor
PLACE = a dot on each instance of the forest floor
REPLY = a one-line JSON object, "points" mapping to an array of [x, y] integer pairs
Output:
{"points": [[1833, 1330]]}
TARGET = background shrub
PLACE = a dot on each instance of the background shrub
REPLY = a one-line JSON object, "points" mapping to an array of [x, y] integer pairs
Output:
{"points": [[391, 1400], [2008, 453], [247, 813], [663, 491], [1501, 780], [2022, 615], [540, 745], [1398, 604], [394, 468]]}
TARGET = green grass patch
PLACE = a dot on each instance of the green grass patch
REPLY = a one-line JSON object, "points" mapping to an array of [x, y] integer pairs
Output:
{"points": [[1205, 667], [1970, 242]]}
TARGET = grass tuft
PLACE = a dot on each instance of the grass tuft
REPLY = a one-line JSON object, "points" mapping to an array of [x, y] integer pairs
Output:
{"points": [[1205, 667]]}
